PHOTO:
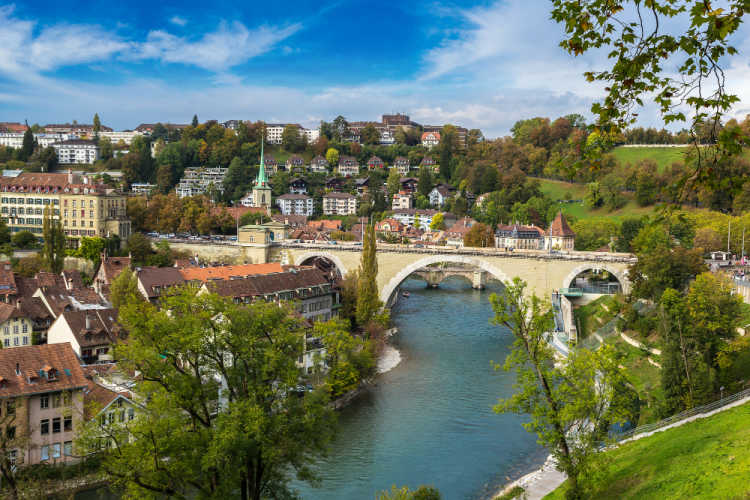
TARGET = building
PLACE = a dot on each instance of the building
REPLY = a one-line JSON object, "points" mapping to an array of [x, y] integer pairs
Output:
{"points": [[402, 201], [455, 234], [86, 209], [559, 235], [295, 163], [262, 235], [271, 165], [315, 297], [232, 124], [348, 166], [375, 162], [13, 127], [155, 281], [142, 188], [15, 327], [430, 139], [15, 139], [461, 133], [109, 269], [311, 134], [335, 183], [110, 406], [197, 181], [76, 151], [260, 196], [148, 128], [319, 165], [429, 162], [339, 204], [387, 138], [519, 237], [421, 219], [440, 194], [390, 227], [74, 128], [402, 165], [41, 397], [295, 204], [409, 184], [362, 185], [91, 333], [214, 273], [126, 136], [298, 185], [275, 131]]}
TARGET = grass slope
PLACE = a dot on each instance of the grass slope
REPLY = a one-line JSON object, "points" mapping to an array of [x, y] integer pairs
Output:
{"points": [[560, 190], [662, 156], [707, 458]]}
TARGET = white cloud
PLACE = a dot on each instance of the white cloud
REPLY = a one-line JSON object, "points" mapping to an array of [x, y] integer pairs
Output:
{"points": [[178, 20], [25, 54]]}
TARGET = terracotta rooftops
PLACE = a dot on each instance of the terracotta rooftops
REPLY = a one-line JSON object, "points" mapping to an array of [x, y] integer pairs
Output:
{"points": [[560, 227], [113, 266], [205, 274], [303, 277], [93, 328], [38, 369]]}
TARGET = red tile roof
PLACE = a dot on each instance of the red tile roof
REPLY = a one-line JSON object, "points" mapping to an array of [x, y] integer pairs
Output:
{"points": [[560, 227], [205, 274], [65, 373]]}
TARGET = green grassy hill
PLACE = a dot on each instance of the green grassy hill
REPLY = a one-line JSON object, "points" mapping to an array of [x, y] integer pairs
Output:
{"points": [[707, 458], [662, 156], [561, 190]]}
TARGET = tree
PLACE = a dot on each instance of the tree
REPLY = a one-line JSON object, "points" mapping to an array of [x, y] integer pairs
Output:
{"points": [[27, 146], [369, 135], [332, 157], [593, 197], [139, 248], [291, 139], [44, 160], [479, 235], [570, 405], [195, 121], [340, 129], [105, 148], [124, 290], [368, 303], [224, 417], [53, 251], [425, 185], [4, 232], [404, 493], [438, 222], [447, 147], [24, 240], [91, 248], [97, 126], [349, 359], [393, 184], [661, 268]]}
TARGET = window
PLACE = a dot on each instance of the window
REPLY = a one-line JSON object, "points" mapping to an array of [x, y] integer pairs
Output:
{"points": [[25, 327], [44, 426], [56, 450], [68, 423], [6, 330], [10, 407], [10, 431], [13, 457], [122, 415], [15, 341], [66, 398], [56, 425], [131, 413], [44, 401], [25, 340], [68, 448], [91, 214], [45, 452], [56, 398], [15, 329]]}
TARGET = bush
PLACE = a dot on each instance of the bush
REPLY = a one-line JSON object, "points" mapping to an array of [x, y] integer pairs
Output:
{"points": [[24, 240]]}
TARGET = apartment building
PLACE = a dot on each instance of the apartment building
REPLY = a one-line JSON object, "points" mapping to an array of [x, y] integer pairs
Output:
{"points": [[76, 151], [402, 201], [348, 166], [15, 139], [196, 181], [274, 132], [402, 165], [86, 209], [295, 204], [339, 204], [319, 165], [41, 398], [126, 136], [74, 128]]}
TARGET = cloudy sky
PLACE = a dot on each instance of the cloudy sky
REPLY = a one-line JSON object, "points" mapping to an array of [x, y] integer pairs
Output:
{"points": [[476, 63]]}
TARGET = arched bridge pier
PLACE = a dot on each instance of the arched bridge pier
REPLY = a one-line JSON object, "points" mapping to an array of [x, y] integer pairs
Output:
{"points": [[433, 276]]}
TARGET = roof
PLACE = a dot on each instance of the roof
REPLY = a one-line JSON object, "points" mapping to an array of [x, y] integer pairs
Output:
{"points": [[33, 179], [8, 311], [293, 220], [113, 266], [319, 159], [401, 159], [517, 230], [293, 196], [325, 224], [72, 278], [301, 277], [336, 194], [205, 274], [161, 277], [76, 142], [430, 135], [102, 327], [34, 309], [96, 397], [42, 368], [560, 227], [7, 280]]}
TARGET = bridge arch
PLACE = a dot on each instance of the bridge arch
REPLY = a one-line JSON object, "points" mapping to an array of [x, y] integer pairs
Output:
{"points": [[394, 282], [301, 259], [621, 276]]}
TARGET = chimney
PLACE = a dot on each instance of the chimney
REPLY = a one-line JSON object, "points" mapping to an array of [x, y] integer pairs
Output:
{"points": [[88, 321], [70, 176], [18, 304]]}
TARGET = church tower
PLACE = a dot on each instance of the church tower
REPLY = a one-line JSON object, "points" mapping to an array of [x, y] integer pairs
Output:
{"points": [[261, 188]]}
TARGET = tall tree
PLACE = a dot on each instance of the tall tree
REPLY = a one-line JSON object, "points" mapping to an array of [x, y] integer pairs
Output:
{"points": [[53, 251], [332, 157], [570, 405], [479, 235], [27, 147], [368, 302], [124, 290], [393, 183], [369, 135], [424, 186], [223, 417], [97, 126], [195, 121]]}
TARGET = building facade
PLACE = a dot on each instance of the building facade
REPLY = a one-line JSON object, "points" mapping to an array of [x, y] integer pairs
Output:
{"points": [[402, 201], [295, 204], [76, 151], [430, 139], [519, 237], [348, 166], [339, 204], [197, 181]]}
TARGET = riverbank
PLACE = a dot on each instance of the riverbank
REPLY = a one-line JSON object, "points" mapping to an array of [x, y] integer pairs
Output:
{"points": [[389, 357]]}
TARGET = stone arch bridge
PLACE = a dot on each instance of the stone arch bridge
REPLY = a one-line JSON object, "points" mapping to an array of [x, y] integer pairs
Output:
{"points": [[544, 272]]}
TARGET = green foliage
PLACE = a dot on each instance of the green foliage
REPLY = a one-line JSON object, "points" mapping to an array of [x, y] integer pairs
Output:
{"points": [[332, 157], [203, 353], [515, 492], [662, 267], [592, 234], [124, 290], [91, 248], [438, 222], [425, 184], [393, 184], [480, 235], [349, 359], [368, 302], [139, 248], [29, 266], [53, 251], [24, 240], [292, 140], [28, 145], [404, 493], [570, 405]]}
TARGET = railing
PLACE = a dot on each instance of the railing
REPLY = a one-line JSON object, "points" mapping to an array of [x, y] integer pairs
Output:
{"points": [[698, 410], [571, 292]]}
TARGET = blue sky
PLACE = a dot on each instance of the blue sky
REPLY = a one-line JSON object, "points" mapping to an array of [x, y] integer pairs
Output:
{"points": [[479, 64]]}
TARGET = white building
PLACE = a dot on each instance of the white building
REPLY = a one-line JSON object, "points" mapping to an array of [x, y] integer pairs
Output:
{"points": [[348, 166], [402, 165], [196, 181], [430, 139], [15, 139], [76, 151], [274, 132], [125, 136], [295, 204], [411, 216], [402, 201], [387, 138], [319, 164], [142, 187], [339, 204], [311, 134], [439, 195]]}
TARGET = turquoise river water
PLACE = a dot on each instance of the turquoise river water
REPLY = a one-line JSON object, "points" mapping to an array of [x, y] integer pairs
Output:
{"points": [[430, 419]]}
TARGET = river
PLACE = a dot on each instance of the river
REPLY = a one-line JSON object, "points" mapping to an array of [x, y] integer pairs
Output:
{"points": [[430, 419]]}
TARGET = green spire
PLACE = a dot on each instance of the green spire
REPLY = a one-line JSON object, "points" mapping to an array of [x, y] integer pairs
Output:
{"points": [[261, 180]]}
